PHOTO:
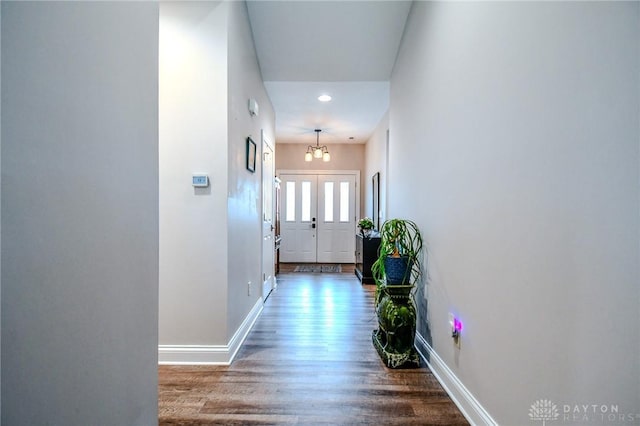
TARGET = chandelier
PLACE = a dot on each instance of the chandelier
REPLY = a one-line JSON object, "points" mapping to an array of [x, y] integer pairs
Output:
{"points": [[317, 151]]}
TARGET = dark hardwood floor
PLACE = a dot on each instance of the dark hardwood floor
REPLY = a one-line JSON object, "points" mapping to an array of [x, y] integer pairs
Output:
{"points": [[308, 360]]}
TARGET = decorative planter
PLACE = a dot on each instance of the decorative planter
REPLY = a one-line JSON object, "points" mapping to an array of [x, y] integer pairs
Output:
{"points": [[396, 328], [396, 277], [398, 270]]}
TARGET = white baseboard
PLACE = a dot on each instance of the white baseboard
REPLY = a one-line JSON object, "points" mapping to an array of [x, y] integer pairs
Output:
{"points": [[464, 400], [210, 354]]}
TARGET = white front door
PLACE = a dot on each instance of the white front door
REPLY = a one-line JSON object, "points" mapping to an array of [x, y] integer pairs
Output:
{"points": [[337, 218], [318, 218], [298, 218], [268, 247]]}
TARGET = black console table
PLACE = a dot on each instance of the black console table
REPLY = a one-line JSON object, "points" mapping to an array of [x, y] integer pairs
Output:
{"points": [[366, 254]]}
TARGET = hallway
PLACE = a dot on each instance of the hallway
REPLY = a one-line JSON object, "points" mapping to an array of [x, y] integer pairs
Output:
{"points": [[308, 360]]}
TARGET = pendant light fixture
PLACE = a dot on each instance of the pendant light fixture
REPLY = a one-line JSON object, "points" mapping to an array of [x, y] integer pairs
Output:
{"points": [[317, 151]]}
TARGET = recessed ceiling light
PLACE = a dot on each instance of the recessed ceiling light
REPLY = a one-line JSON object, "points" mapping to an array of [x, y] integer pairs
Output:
{"points": [[324, 98]]}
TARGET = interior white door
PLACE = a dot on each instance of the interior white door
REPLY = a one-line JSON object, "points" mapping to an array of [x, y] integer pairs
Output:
{"points": [[268, 244], [298, 219], [336, 218]]}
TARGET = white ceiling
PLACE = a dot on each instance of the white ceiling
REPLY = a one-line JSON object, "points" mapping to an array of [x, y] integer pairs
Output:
{"points": [[345, 49]]}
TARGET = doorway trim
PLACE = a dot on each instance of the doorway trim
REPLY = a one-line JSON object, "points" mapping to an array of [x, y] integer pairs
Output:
{"points": [[268, 236]]}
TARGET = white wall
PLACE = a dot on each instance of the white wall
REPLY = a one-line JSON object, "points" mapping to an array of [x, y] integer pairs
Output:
{"points": [[193, 139], [0, 217], [245, 188], [210, 239], [343, 157], [515, 146], [376, 161], [79, 213]]}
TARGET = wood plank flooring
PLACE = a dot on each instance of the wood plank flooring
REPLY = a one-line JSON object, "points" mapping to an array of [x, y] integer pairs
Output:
{"points": [[308, 360]]}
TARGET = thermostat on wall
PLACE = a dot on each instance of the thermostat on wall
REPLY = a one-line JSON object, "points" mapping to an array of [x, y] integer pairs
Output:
{"points": [[200, 181]]}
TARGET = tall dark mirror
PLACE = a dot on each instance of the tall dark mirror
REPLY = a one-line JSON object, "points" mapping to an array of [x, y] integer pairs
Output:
{"points": [[376, 200]]}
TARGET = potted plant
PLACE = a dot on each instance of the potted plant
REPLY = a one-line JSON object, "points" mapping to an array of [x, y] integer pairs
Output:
{"points": [[398, 259], [366, 226], [396, 272]]}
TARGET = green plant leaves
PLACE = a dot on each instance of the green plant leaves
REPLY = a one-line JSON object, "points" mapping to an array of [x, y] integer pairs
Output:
{"points": [[398, 237]]}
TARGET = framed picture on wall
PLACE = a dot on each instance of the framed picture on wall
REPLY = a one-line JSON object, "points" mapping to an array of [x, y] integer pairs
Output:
{"points": [[251, 155]]}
